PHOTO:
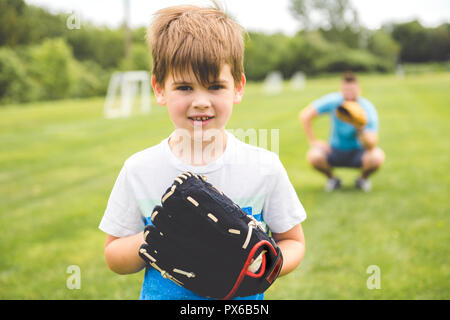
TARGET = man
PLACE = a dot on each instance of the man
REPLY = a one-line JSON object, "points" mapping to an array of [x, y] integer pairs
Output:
{"points": [[349, 145]]}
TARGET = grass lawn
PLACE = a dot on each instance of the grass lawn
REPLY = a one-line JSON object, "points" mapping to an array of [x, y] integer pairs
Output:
{"points": [[59, 161]]}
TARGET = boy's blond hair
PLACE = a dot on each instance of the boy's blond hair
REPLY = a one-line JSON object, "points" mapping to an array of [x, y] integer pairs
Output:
{"points": [[190, 39]]}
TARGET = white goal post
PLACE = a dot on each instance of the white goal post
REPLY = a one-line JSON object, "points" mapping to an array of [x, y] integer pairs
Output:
{"points": [[122, 91]]}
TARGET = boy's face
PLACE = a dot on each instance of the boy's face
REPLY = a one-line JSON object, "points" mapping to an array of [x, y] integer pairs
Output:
{"points": [[191, 105]]}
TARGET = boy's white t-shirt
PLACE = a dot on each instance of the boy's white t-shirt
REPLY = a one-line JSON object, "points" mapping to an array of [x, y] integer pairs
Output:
{"points": [[252, 177]]}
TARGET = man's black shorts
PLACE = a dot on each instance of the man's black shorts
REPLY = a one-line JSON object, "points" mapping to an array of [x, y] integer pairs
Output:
{"points": [[346, 158]]}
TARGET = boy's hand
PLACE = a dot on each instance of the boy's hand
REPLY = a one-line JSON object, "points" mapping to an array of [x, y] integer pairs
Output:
{"points": [[201, 240]]}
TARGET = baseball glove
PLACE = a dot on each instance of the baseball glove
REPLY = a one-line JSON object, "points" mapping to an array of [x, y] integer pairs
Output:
{"points": [[353, 113], [201, 240]]}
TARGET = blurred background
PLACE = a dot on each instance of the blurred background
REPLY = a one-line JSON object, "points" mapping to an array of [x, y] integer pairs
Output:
{"points": [[59, 156], [86, 42]]}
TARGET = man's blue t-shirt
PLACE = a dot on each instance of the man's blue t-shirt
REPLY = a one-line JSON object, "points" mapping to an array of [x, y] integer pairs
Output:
{"points": [[343, 136]]}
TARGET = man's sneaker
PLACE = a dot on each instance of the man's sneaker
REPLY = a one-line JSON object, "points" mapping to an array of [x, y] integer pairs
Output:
{"points": [[363, 184], [332, 184]]}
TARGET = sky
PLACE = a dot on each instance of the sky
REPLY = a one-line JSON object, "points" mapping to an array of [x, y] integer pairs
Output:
{"points": [[271, 15]]}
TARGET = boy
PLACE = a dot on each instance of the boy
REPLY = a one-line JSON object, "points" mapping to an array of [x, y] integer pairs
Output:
{"points": [[348, 146], [198, 75]]}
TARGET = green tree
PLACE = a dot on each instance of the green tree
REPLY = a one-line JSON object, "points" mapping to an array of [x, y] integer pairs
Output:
{"points": [[342, 58], [99, 44], [329, 14], [11, 12], [439, 43], [382, 44], [337, 20], [15, 85], [22, 24], [88, 79], [38, 24], [412, 37], [50, 67], [263, 53], [140, 58], [302, 53]]}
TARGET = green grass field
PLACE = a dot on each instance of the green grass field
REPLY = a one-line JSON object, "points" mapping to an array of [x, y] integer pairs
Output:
{"points": [[59, 161]]}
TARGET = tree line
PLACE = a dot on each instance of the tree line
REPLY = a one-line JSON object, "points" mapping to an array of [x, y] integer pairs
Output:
{"points": [[42, 59]]}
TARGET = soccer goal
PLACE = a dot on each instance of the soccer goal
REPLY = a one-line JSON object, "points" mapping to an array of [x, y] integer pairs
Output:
{"points": [[273, 84], [298, 81], [123, 91]]}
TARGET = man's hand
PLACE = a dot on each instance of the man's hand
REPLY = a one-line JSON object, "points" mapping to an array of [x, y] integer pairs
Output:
{"points": [[323, 145], [369, 139], [305, 117]]}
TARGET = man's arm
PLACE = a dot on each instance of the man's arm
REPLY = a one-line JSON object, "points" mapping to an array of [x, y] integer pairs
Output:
{"points": [[305, 117], [122, 253], [292, 246]]}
